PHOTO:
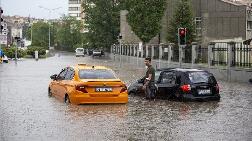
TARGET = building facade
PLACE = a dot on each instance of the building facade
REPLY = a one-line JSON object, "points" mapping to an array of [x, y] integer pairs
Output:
{"points": [[75, 9], [214, 20]]}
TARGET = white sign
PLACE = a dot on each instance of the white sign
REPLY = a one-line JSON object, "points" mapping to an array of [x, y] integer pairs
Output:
{"points": [[165, 49]]}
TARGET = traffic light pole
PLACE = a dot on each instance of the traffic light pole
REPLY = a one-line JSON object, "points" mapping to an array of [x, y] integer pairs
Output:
{"points": [[180, 56], [181, 43]]}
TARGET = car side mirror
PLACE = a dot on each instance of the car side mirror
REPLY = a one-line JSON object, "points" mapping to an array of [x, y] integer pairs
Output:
{"points": [[53, 77]]}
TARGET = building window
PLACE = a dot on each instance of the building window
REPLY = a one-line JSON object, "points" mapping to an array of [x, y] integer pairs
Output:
{"points": [[74, 14], [74, 1], [73, 8], [198, 26]]}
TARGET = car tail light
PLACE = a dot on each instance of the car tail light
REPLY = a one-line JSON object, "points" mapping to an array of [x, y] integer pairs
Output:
{"points": [[217, 88], [81, 88], [186, 88], [124, 88]]}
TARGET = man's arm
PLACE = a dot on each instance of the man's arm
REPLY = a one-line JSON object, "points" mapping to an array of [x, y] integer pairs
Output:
{"points": [[147, 80]]}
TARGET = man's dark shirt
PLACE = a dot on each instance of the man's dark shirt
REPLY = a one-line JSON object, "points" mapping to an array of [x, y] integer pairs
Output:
{"points": [[150, 70]]}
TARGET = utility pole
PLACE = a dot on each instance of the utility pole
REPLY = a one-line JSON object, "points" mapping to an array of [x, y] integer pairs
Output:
{"points": [[49, 34]]}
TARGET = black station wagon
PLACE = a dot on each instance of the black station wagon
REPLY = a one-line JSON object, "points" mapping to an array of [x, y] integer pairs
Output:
{"points": [[182, 84]]}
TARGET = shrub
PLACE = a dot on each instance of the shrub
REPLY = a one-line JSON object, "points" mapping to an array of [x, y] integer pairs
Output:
{"points": [[31, 51], [10, 52]]}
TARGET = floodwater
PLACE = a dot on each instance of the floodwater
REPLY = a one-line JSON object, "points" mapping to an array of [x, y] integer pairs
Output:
{"points": [[28, 114]]}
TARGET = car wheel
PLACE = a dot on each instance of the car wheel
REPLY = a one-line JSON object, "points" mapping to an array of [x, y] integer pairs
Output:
{"points": [[49, 92], [67, 100], [169, 96], [178, 96]]}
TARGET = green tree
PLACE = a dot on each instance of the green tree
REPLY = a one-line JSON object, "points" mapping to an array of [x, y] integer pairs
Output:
{"points": [[183, 17], [145, 16], [69, 34], [40, 34], [102, 19]]}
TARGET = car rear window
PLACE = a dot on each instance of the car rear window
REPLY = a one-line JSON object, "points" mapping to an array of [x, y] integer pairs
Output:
{"points": [[80, 49], [201, 77], [96, 74]]}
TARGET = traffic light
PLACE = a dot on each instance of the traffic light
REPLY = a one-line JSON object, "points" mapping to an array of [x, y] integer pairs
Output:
{"points": [[182, 36], [1, 19]]}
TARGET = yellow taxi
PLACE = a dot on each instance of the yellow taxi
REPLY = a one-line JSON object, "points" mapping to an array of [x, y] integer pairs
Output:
{"points": [[84, 84]]}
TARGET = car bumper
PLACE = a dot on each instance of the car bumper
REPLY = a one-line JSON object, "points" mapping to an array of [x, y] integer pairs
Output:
{"points": [[5, 61], [83, 98], [189, 97], [79, 54], [96, 54]]}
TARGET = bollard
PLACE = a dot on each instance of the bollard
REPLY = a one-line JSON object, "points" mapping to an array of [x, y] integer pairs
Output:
{"points": [[170, 46], [210, 54], [36, 55], [231, 59], [146, 51], [152, 52], [194, 54], [160, 54]]}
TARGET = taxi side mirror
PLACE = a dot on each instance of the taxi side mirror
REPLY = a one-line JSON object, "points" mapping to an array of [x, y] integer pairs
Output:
{"points": [[53, 77]]}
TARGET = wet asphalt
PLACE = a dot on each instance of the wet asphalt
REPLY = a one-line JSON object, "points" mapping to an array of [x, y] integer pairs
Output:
{"points": [[28, 114]]}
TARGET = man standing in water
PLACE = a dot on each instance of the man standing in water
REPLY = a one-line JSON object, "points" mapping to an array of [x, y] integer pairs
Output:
{"points": [[149, 82]]}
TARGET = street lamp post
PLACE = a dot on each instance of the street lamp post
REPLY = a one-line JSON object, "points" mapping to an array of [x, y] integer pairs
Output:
{"points": [[49, 32]]}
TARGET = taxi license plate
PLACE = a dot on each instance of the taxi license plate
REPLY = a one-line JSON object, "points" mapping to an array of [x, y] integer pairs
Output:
{"points": [[103, 89], [203, 92]]}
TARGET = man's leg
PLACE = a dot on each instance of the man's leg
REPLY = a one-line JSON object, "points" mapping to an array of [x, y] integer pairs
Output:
{"points": [[152, 94], [152, 91], [148, 92]]}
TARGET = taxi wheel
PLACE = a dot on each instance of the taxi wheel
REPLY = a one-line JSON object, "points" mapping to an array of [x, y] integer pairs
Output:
{"points": [[67, 100], [49, 92]]}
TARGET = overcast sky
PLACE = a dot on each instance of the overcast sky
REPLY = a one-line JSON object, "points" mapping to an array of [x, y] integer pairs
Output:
{"points": [[31, 7]]}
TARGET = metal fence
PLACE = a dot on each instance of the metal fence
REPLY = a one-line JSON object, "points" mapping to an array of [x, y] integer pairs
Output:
{"points": [[220, 54], [242, 55], [233, 54], [239, 54], [201, 54]]}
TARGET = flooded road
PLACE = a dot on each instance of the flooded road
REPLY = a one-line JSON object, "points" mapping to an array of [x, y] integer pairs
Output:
{"points": [[28, 114]]}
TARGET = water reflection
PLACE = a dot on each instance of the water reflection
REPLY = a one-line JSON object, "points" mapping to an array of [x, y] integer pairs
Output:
{"points": [[28, 114], [191, 109], [118, 110]]}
